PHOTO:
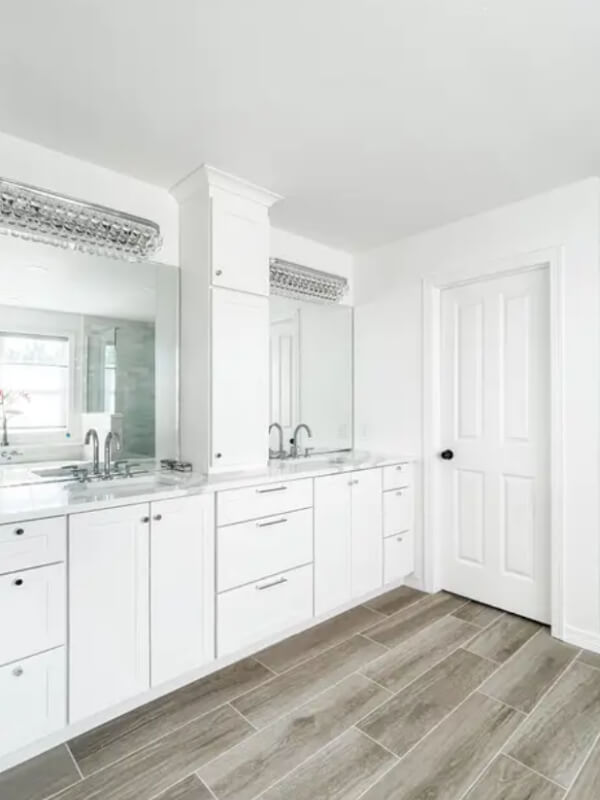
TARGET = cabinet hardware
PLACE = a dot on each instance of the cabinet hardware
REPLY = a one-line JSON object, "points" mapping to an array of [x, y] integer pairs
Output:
{"points": [[400, 467], [353, 483], [19, 531], [157, 517], [272, 522], [399, 538], [218, 273], [145, 519], [17, 672], [218, 455], [278, 582], [274, 489], [399, 494], [18, 582]]}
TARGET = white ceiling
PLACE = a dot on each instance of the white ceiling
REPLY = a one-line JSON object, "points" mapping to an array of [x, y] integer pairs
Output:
{"points": [[374, 118]]}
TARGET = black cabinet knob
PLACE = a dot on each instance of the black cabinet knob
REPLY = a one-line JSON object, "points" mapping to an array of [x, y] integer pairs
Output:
{"points": [[447, 455], [157, 517], [218, 455], [19, 531], [18, 582], [145, 519]]}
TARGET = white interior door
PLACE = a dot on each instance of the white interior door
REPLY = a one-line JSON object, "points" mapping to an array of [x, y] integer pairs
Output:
{"points": [[495, 432]]}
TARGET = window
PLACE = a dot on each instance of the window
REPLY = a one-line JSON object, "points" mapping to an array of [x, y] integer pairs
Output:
{"points": [[37, 365]]}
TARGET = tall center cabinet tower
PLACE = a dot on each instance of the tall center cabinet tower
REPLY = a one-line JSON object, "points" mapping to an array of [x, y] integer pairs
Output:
{"points": [[224, 327]]}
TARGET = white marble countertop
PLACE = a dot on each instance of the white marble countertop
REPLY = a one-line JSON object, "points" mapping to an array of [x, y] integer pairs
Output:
{"points": [[37, 500]]}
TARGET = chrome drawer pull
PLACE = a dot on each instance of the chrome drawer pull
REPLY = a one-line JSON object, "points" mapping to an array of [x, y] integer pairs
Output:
{"points": [[278, 582], [273, 522], [275, 489]]}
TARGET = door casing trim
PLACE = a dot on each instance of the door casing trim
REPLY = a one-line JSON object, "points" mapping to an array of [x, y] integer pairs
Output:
{"points": [[553, 260]]}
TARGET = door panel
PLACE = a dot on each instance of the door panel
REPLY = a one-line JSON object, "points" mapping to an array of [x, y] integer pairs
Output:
{"points": [[367, 539], [333, 542], [495, 418]]}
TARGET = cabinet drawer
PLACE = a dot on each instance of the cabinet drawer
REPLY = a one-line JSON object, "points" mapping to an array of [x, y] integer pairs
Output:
{"points": [[397, 475], [33, 699], [35, 612], [250, 550], [239, 505], [397, 511], [253, 612], [30, 544], [398, 557]]}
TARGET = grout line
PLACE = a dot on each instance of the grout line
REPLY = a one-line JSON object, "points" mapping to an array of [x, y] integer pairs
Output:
{"points": [[379, 685], [375, 611], [585, 663], [531, 769], [266, 666], [239, 713], [583, 765], [492, 661], [70, 752], [393, 613], [502, 702], [379, 744], [387, 647]]}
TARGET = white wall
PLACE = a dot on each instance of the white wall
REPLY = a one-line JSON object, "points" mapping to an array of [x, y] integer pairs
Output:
{"points": [[291, 247], [48, 169], [389, 349]]}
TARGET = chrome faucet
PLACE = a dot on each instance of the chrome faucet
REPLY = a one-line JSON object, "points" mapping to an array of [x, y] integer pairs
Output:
{"points": [[280, 452], [108, 448], [294, 442], [92, 436]]}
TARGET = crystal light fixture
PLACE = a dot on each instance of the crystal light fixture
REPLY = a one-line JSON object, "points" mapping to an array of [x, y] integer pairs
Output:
{"points": [[303, 283], [42, 216]]}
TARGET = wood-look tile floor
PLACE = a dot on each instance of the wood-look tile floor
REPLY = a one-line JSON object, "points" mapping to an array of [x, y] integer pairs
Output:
{"points": [[410, 697]]}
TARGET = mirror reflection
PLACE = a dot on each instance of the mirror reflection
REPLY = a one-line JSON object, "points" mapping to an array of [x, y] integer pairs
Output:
{"points": [[311, 375], [85, 342]]}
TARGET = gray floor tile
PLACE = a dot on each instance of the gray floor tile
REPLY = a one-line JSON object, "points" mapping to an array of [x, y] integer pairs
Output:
{"points": [[286, 692], [39, 777], [401, 626], [523, 680], [559, 734], [502, 639], [139, 727], [407, 717], [587, 785], [190, 788], [478, 614], [309, 643], [394, 601], [445, 764], [343, 771], [270, 754], [422, 651], [158, 766], [591, 659], [507, 780]]}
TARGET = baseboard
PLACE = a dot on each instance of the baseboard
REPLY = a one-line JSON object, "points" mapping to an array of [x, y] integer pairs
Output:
{"points": [[582, 638]]}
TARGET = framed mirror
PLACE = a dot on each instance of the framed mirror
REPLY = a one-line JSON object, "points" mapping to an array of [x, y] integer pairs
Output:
{"points": [[85, 342], [311, 367]]}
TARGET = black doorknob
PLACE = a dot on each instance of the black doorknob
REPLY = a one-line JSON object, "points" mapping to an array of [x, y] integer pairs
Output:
{"points": [[447, 455]]}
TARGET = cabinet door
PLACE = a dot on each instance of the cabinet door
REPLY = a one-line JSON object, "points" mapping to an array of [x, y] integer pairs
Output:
{"points": [[36, 616], [399, 555], [109, 608], [182, 585], [240, 244], [367, 533], [333, 533], [240, 380], [33, 699]]}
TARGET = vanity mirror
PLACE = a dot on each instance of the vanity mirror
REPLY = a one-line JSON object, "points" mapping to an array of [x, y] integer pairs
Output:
{"points": [[311, 373], [85, 342]]}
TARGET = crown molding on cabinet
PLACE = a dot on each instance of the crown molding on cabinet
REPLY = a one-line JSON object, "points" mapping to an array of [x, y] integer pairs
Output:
{"points": [[207, 177]]}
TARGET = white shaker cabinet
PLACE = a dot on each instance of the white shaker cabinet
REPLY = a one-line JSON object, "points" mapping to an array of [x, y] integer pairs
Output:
{"points": [[240, 243], [333, 549], [109, 607], [240, 380], [367, 543], [182, 585], [348, 538]]}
